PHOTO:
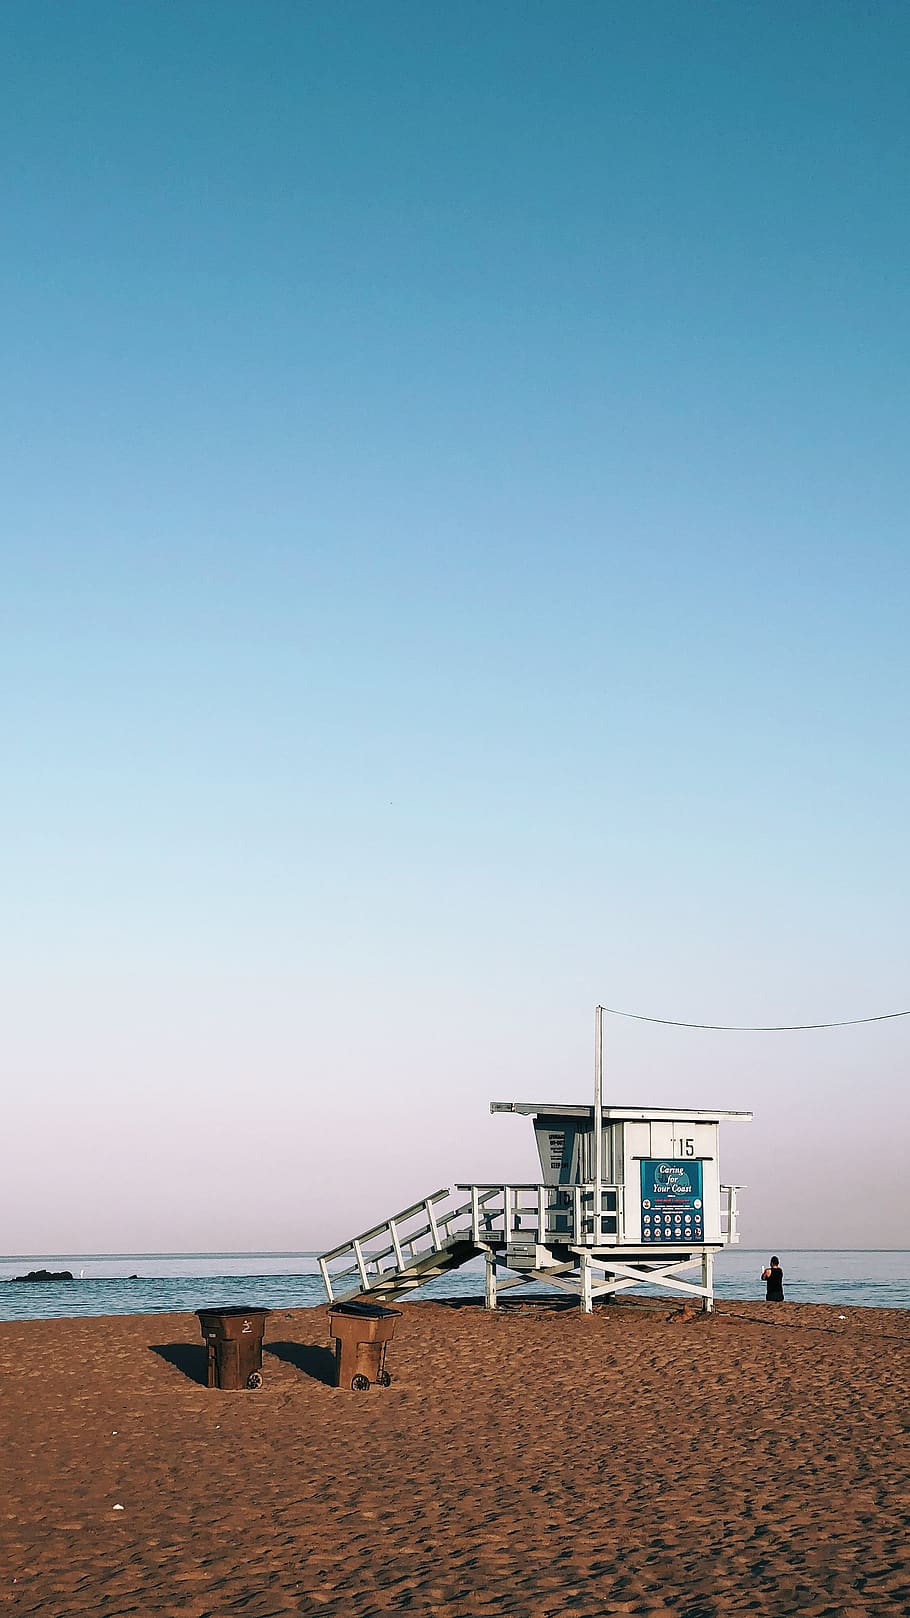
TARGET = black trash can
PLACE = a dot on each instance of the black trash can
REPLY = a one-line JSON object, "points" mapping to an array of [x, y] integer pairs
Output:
{"points": [[234, 1339], [362, 1333]]}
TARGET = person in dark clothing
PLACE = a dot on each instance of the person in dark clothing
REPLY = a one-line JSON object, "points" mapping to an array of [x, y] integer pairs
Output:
{"points": [[773, 1276]]}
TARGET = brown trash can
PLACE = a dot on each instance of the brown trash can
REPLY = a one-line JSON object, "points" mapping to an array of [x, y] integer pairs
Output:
{"points": [[362, 1333], [234, 1339]]}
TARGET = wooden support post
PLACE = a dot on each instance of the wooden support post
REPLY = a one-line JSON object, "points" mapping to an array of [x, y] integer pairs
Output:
{"points": [[707, 1281], [587, 1300], [489, 1291]]}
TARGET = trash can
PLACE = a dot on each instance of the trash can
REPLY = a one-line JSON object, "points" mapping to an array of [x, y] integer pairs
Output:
{"points": [[362, 1333], [234, 1339]]}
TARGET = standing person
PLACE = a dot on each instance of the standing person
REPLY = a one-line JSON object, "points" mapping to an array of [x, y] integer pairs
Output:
{"points": [[773, 1276]]}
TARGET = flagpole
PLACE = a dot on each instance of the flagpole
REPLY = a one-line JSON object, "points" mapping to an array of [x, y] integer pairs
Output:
{"points": [[598, 1119]]}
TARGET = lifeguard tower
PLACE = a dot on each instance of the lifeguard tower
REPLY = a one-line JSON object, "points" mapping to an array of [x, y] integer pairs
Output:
{"points": [[628, 1197]]}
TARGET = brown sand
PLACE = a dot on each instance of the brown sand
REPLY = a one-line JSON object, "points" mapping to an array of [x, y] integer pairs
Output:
{"points": [[532, 1462]]}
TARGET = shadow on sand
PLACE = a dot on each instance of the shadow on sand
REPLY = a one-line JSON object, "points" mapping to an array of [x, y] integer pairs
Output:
{"points": [[313, 1359], [190, 1358], [507, 1301]]}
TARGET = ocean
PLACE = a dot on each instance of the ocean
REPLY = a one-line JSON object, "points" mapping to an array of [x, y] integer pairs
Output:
{"points": [[164, 1283]]}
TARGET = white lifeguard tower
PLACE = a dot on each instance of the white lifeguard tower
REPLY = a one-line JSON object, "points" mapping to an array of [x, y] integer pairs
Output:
{"points": [[628, 1197]]}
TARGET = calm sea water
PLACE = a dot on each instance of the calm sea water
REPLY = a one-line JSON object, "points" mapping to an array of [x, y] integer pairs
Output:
{"points": [[163, 1283]]}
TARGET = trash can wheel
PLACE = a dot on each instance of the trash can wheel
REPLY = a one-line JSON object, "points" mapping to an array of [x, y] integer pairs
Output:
{"points": [[384, 1379], [360, 1384], [254, 1380]]}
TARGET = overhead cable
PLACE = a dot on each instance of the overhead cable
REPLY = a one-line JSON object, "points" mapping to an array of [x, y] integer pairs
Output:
{"points": [[749, 1028]]}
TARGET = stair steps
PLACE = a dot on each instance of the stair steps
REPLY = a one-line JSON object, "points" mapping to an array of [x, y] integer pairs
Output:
{"points": [[413, 1247]]}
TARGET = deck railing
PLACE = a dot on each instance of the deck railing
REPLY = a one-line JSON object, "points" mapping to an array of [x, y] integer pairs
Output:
{"points": [[513, 1215], [729, 1212], [545, 1214]]}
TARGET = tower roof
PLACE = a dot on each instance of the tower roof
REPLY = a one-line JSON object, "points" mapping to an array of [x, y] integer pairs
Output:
{"points": [[616, 1114]]}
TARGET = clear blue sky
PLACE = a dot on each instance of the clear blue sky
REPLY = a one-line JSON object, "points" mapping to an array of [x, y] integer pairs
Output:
{"points": [[454, 570]]}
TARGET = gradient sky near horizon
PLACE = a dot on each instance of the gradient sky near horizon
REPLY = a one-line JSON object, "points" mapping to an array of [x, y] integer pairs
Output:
{"points": [[454, 570]]}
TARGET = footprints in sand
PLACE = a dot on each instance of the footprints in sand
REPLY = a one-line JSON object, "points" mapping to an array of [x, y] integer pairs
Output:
{"points": [[540, 1466]]}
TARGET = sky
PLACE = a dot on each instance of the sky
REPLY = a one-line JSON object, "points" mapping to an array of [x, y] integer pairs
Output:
{"points": [[453, 572]]}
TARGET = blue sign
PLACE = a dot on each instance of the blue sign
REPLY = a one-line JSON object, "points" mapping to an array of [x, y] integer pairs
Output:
{"points": [[672, 1206]]}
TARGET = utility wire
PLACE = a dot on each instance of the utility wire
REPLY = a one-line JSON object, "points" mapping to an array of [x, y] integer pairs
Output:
{"points": [[748, 1028]]}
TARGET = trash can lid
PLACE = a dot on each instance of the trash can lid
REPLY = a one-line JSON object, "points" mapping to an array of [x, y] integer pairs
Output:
{"points": [[366, 1311], [232, 1309]]}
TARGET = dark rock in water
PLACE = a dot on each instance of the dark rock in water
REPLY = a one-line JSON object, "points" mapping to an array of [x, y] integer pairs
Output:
{"points": [[132, 1278], [45, 1275]]}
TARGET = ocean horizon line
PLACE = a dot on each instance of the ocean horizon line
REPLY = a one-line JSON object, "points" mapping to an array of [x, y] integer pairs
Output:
{"points": [[304, 1252], [215, 1252]]}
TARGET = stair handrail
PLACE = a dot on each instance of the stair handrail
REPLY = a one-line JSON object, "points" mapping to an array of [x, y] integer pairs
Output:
{"points": [[402, 1247], [377, 1230]]}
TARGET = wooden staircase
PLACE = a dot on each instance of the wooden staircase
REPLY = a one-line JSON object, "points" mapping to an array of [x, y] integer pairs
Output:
{"points": [[426, 1269], [404, 1252]]}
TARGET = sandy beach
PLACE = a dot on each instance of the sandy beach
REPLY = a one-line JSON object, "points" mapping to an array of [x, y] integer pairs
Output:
{"points": [[531, 1462]]}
